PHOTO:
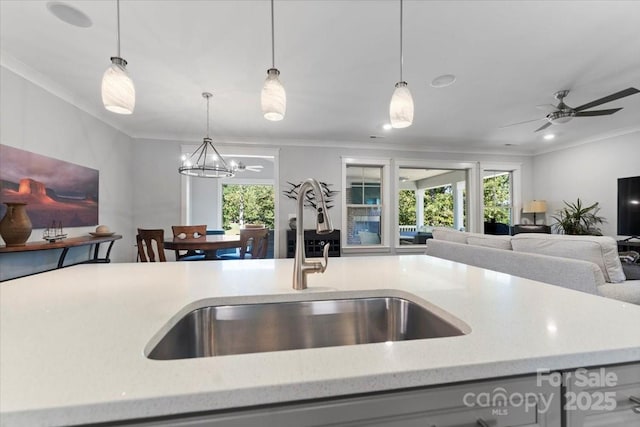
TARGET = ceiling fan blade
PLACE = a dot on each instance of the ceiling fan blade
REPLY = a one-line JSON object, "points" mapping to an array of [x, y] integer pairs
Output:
{"points": [[544, 126], [520, 123], [612, 97], [547, 107], [597, 112]]}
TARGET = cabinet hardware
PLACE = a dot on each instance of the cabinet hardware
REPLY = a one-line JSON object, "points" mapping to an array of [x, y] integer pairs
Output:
{"points": [[482, 423]]}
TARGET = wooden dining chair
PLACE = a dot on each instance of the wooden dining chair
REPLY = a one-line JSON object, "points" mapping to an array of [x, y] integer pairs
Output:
{"points": [[146, 250], [254, 243], [189, 232]]}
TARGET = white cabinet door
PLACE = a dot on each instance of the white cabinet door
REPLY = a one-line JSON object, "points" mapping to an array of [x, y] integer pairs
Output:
{"points": [[607, 396]]}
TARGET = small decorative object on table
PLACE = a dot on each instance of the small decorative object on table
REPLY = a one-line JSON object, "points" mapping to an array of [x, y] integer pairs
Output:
{"points": [[54, 233], [102, 231], [15, 227]]}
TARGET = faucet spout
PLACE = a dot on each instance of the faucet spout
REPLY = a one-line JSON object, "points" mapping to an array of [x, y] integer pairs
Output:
{"points": [[301, 267]]}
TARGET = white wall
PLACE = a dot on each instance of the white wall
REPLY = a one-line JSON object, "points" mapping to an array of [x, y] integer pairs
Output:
{"points": [[156, 193], [33, 119], [588, 171]]}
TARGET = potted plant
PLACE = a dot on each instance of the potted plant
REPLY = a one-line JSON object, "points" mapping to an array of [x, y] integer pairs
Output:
{"points": [[576, 219]]}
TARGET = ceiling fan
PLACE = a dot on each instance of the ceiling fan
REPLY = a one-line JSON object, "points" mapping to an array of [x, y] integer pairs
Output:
{"points": [[562, 113], [241, 167]]}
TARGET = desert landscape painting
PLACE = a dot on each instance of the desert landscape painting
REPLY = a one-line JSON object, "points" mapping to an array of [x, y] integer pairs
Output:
{"points": [[54, 190]]}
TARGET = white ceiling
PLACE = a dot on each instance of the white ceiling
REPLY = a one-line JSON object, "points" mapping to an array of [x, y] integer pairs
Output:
{"points": [[339, 62]]}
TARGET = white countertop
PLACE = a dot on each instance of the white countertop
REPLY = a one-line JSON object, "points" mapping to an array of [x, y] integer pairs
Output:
{"points": [[72, 341]]}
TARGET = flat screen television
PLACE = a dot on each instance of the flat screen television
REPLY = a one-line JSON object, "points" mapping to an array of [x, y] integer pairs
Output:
{"points": [[629, 206]]}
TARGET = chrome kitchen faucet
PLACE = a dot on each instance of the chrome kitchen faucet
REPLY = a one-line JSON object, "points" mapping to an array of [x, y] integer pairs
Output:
{"points": [[302, 267]]}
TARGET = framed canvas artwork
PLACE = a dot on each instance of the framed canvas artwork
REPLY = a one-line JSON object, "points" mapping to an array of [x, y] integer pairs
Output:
{"points": [[54, 190]]}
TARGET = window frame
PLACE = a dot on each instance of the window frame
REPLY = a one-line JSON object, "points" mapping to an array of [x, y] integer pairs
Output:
{"points": [[516, 187], [474, 196], [386, 201]]}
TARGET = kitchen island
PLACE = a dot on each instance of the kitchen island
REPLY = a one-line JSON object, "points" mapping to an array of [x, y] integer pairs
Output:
{"points": [[73, 342]]}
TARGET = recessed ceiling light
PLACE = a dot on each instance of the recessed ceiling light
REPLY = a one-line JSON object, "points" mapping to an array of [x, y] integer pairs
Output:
{"points": [[69, 14], [549, 136], [443, 80], [387, 126]]}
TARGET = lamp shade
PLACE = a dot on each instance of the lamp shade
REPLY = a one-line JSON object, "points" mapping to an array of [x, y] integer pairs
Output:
{"points": [[274, 98], [401, 107], [535, 206], [118, 91]]}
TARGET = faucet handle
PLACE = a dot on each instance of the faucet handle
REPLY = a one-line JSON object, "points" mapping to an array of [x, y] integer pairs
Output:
{"points": [[325, 255]]}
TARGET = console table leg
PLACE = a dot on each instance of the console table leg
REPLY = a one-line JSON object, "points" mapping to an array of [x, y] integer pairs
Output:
{"points": [[106, 257], [62, 255]]}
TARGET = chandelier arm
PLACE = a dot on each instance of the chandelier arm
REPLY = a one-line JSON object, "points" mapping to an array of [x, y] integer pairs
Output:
{"points": [[202, 153], [218, 156]]}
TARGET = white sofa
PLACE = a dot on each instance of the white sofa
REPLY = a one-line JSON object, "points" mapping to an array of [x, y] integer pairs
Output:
{"points": [[583, 263]]}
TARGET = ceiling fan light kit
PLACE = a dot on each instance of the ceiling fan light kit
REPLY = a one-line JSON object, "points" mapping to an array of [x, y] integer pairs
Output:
{"points": [[118, 91], [206, 162], [273, 98], [401, 105]]}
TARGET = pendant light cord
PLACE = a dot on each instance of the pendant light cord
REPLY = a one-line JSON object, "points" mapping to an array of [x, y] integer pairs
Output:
{"points": [[118, 12], [273, 44], [401, 53], [208, 97]]}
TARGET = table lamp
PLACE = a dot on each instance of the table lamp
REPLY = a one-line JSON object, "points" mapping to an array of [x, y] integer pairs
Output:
{"points": [[534, 207]]}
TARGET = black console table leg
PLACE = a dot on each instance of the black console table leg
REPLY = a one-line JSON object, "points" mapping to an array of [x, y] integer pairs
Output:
{"points": [[106, 257], [62, 256]]}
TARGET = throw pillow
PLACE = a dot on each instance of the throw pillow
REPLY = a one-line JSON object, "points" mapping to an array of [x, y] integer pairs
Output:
{"points": [[497, 242], [450, 235], [601, 250]]}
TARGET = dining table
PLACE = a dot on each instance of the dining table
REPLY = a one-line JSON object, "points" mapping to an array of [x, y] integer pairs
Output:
{"points": [[209, 244]]}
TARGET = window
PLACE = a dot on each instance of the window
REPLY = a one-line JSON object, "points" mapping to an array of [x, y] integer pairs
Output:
{"points": [[498, 206], [429, 198], [365, 203], [501, 196], [247, 204]]}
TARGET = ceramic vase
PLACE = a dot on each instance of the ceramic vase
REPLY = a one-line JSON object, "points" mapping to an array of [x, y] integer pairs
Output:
{"points": [[15, 227]]}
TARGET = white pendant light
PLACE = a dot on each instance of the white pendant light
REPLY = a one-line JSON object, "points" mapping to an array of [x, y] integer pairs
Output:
{"points": [[206, 162], [401, 106], [273, 98], [118, 91]]}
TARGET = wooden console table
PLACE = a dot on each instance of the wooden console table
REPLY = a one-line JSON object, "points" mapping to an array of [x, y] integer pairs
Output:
{"points": [[65, 244]]}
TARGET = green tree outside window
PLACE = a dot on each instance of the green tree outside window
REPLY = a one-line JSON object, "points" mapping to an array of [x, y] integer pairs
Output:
{"points": [[248, 204]]}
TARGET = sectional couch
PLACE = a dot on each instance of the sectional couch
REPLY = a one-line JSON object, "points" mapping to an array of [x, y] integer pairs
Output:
{"points": [[584, 263]]}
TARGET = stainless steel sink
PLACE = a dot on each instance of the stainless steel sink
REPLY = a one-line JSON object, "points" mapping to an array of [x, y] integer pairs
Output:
{"points": [[253, 328]]}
